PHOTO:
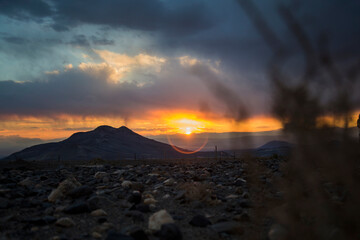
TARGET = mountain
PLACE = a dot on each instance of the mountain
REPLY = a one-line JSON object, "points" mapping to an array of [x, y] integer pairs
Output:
{"points": [[274, 147], [275, 144], [103, 142], [225, 141]]}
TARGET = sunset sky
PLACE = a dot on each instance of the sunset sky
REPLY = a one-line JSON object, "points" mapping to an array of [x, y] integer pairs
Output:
{"points": [[155, 66]]}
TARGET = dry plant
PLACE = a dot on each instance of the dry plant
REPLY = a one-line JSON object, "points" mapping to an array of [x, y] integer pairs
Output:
{"points": [[321, 183]]}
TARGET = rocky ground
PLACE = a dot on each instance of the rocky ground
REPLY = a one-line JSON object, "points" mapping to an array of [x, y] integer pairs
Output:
{"points": [[194, 199]]}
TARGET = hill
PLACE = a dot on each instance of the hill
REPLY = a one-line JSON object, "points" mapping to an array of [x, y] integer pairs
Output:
{"points": [[103, 142], [274, 147]]}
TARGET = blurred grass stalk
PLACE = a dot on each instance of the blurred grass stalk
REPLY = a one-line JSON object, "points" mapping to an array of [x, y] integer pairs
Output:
{"points": [[321, 190]]}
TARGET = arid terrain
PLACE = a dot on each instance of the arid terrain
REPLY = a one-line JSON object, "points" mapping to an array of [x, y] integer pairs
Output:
{"points": [[203, 199]]}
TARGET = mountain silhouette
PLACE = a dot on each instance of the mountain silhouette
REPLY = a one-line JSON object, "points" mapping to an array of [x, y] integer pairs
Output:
{"points": [[274, 147], [104, 142]]}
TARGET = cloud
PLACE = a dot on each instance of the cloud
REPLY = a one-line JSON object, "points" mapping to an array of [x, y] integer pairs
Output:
{"points": [[90, 89], [124, 64], [15, 40], [25, 9], [205, 29], [80, 40], [147, 15], [52, 72], [163, 45], [101, 41], [234, 105]]}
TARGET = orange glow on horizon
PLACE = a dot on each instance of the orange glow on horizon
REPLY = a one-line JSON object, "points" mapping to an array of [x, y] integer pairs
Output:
{"points": [[184, 151], [155, 123]]}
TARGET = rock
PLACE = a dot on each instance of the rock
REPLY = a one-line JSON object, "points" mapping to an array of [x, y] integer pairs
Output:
{"points": [[197, 204], [240, 182], [152, 207], [169, 182], [126, 184], [227, 227], [153, 174], [64, 187], [59, 209], [277, 232], [96, 235], [232, 196], [34, 229], [125, 204], [119, 172], [93, 203], [244, 217], [135, 197], [169, 231], [98, 213], [65, 222], [180, 195], [3, 191], [26, 182], [106, 180], [199, 221], [135, 215], [4, 203], [76, 208], [80, 191], [148, 201], [49, 210], [42, 220], [159, 218], [245, 195], [97, 202], [104, 227], [137, 186], [166, 196], [112, 235], [55, 195], [100, 175], [141, 207], [147, 195]]}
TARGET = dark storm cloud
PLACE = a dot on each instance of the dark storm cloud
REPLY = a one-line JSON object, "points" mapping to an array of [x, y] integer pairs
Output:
{"points": [[15, 40], [25, 9], [145, 15], [101, 41], [217, 30], [236, 109], [80, 40], [88, 93]]}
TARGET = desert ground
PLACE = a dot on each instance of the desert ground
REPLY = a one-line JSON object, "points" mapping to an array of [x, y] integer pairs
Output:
{"points": [[203, 199]]}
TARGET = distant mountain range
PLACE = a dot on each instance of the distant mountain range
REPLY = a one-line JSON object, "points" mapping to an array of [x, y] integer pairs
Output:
{"points": [[224, 141], [104, 142], [110, 143], [274, 147]]}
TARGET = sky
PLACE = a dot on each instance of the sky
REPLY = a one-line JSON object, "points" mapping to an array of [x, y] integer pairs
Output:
{"points": [[155, 66]]}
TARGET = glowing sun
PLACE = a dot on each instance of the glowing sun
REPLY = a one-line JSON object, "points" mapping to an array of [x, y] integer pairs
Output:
{"points": [[188, 131]]}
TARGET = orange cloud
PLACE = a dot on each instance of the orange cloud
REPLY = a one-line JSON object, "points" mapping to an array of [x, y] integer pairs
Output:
{"points": [[124, 64], [153, 123]]}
